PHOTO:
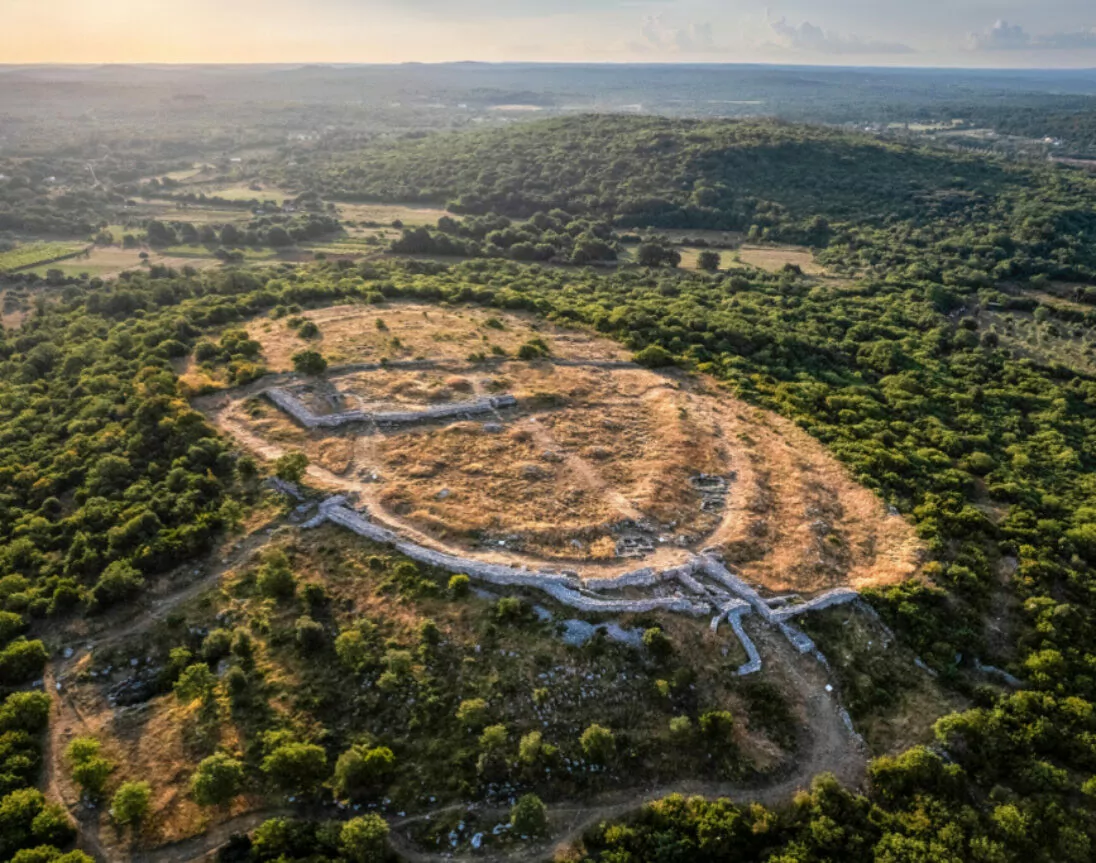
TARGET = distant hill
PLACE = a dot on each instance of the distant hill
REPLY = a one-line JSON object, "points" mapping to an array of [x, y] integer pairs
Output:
{"points": [[673, 173]]}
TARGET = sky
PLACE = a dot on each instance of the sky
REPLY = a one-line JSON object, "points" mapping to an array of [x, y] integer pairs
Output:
{"points": [[976, 33]]}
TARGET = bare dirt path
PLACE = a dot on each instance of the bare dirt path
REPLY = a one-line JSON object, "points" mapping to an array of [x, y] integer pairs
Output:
{"points": [[582, 471]]}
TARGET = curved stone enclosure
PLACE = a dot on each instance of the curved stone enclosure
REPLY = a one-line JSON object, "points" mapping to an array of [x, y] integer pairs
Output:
{"points": [[713, 588], [297, 409]]}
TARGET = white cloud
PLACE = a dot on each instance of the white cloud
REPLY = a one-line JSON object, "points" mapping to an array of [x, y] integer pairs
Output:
{"points": [[697, 38], [813, 39], [1003, 36]]}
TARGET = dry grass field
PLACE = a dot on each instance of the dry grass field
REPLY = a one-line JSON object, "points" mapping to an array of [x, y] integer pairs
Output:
{"points": [[596, 450], [109, 261], [775, 259], [386, 214]]}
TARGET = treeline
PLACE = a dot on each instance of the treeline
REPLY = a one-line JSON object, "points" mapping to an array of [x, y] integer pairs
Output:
{"points": [[278, 231], [32, 830], [919, 807], [555, 237]]}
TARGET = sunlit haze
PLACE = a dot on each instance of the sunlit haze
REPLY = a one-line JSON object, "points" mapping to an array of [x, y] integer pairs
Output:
{"points": [[1011, 33]]}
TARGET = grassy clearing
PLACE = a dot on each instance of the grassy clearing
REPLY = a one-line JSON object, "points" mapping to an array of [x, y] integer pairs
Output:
{"points": [[244, 192], [24, 257], [773, 259], [109, 261], [170, 211], [386, 214], [204, 252], [362, 244]]}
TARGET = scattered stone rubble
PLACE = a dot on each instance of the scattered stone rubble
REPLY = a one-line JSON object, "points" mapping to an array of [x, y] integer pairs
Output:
{"points": [[713, 491], [634, 546], [297, 409], [711, 586]]}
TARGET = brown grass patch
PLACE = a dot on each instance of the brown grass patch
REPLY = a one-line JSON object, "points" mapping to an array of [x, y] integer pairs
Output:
{"points": [[775, 259]]}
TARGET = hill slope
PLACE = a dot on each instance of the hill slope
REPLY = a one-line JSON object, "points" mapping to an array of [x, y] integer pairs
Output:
{"points": [[722, 174]]}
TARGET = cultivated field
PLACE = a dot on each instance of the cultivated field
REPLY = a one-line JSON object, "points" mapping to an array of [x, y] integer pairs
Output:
{"points": [[386, 214], [108, 261], [23, 257]]}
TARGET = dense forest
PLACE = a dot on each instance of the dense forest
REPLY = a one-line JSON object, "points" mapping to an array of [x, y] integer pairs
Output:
{"points": [[555, 236]]}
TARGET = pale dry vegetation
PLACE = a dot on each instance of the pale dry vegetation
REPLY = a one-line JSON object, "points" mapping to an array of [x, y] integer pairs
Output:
{"points": [[774, 259], [592, 453]]}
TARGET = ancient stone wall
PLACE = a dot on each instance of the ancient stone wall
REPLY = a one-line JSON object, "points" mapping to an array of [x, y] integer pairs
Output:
{"points": [[753, 665], [568, 589], [839, 596], [297, 409]]}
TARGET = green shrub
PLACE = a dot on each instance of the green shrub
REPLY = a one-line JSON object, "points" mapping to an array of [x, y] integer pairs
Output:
{"points": [[25, 711], [361, 771], [365, 839], [529, 816], [21, 661], [717, 725], [89, 769], [131, 802], [217, 780], [309, 363], [11, 625], [654, 357], [472, 714], [296, 767], [598, 743], [276, 579], [291, 466], [681, 728], [311, 636]]}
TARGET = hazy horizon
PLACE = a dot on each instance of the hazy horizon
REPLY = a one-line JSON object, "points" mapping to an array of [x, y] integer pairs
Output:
{"points": [[352, 64], [961, 34]]}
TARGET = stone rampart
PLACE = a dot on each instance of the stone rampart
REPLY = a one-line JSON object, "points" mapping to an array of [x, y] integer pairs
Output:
{"points": [[570, 590], [564, 588], [840, 596], [286, 401]]}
